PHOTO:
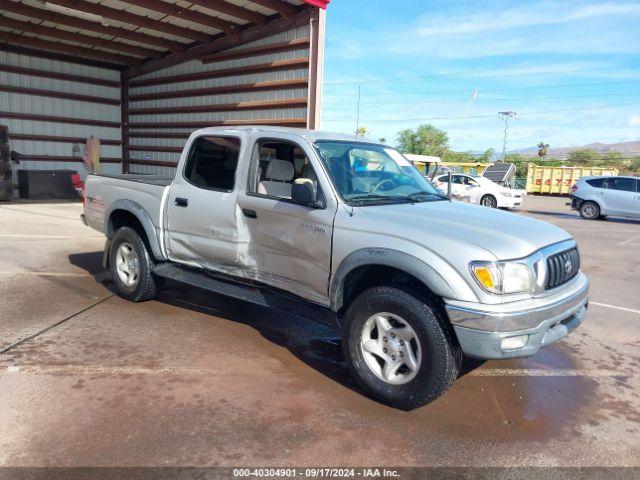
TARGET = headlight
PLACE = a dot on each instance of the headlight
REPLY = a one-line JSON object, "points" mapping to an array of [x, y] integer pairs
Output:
{"points": [[504, 277], [506, 194]]}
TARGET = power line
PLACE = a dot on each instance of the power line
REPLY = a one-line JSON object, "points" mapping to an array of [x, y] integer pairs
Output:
{"points": [[496, 100], [493, 90], [468, 117], [468, 73]]}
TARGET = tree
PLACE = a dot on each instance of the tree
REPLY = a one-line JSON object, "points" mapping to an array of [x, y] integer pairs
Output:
{"points": [[542, 150], [583, 157], [362, 132], [634, 166], [424, 140]]}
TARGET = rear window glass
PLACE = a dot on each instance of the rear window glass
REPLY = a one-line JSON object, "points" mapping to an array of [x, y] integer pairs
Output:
{"points": [[596, 182], [212, 163]]}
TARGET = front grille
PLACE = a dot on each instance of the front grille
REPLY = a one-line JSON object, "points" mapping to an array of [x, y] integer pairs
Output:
{"points": [[562, 267]]}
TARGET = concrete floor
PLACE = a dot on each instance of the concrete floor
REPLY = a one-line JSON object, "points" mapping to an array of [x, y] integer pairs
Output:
{"points": [[194, 379]]}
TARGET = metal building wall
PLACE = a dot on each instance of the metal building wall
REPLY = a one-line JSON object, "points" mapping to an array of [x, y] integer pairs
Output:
{"points": [[25, 111], [163, 111]]}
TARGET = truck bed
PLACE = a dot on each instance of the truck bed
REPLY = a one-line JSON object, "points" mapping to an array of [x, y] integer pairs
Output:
{"points": [[106, 192]]}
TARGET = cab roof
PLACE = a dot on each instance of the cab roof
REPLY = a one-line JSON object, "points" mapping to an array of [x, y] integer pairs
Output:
{"points": [[311, 135]]}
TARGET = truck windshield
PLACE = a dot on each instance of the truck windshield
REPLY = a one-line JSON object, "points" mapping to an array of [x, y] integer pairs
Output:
{"points": [[367, 173]]}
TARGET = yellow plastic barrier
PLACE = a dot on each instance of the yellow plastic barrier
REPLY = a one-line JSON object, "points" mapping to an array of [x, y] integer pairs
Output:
{"points": [[559, 180]]}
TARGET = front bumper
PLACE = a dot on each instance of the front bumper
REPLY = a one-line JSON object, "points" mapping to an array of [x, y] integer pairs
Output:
{"points": [[509, 202], [482, 329]]}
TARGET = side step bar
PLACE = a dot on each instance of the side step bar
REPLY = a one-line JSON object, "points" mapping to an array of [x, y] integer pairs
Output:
{"points": [[264, 297]]}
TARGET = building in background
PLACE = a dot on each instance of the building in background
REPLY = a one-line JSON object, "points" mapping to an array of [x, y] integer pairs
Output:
{"points": [[140, 79]]}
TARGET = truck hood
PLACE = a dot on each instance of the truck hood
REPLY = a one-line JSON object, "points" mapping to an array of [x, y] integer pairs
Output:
{"points": [[506, 235]]}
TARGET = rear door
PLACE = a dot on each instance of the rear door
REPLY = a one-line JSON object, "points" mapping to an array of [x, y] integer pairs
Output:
{"points": [[200, 213], [619, 196], [282, 243]]}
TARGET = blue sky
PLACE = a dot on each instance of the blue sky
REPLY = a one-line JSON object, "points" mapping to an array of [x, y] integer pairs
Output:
{"points": [[571, 70]]}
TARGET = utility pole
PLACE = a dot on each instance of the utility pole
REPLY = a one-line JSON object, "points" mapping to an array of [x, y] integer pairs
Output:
{"points": [[506, 116], [358, 114]]}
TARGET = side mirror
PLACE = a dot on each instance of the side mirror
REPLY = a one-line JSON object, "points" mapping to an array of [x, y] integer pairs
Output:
{"points": [[304, 192]]}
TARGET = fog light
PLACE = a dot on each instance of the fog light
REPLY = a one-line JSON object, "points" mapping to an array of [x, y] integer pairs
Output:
{"points": [[511, 343]]}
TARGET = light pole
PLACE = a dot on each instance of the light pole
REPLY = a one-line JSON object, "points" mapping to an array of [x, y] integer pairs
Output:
{"points": [[506, 116]]}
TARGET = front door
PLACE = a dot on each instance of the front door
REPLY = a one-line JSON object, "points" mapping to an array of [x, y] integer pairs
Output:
{"points": [[282, 243], [200, 213]]}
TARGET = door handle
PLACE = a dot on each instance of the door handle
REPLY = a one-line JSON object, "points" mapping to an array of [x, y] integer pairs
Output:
{"points": [[249, 213], [181, 202]]}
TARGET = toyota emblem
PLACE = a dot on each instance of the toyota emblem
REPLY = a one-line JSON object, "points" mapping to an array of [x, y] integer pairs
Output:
{"points": [[568, 266]]}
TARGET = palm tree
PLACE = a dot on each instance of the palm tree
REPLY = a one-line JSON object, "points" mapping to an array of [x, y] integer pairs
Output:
{"points": [[542, 150]]}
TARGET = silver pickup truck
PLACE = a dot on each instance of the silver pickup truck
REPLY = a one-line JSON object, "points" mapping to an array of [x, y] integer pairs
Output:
{"points": [[345, 231]]}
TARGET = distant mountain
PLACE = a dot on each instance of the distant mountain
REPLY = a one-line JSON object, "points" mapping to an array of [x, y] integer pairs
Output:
{"points": [[627, 148]]}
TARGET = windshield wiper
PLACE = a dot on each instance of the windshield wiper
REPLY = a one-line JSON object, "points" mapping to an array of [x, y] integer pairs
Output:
{"points": [[374, 197], [415, 195]]}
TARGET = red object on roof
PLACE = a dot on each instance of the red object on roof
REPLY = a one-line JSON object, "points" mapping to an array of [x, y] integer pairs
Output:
{"points": [[318, 3]]}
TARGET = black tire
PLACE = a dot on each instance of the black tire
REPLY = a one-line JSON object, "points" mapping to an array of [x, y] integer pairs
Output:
{"points": [[441, 354], [147, 285], [589, 210], [489, 200]]}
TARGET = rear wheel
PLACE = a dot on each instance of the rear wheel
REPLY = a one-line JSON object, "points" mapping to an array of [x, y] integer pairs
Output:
{"points": [[131, 265], [398, 348], [589, 210], [489, 201]]}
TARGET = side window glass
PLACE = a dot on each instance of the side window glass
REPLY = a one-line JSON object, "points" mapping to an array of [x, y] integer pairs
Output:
{"points": [[277, 165], [212, 163], [623, 184]]}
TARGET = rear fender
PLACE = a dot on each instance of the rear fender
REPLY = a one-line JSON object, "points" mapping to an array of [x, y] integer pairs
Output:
{"points": [[143, 217]]}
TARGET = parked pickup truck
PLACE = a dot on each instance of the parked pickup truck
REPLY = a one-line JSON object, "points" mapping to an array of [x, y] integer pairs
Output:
{"points": [[346, 231]]}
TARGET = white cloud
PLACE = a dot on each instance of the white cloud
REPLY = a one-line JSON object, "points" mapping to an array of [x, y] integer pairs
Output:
{"points": [[548, 13]]}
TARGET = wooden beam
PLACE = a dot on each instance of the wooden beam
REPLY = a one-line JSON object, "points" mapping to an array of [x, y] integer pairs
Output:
{"points": [[32, 72], [61, 158], [133, 19], [77, 37], [289, 122], [185, 14], [147, 148], [176, 135], [246, 87], [223, 107], [232, 10], [49, 16], [262, 50], [58, 119], [222, 43], [283, 8], [58, 139], [276, 66], [39, 53], [55, 94], [67, 49]]}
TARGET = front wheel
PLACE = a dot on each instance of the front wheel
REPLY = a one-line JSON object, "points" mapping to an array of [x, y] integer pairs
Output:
{"points": [[131, 266], [398, 348], [489, 201]]}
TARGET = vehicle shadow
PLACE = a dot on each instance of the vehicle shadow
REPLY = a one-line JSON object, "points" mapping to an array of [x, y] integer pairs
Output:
{"points": [[314, 343], [576, 216]]}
